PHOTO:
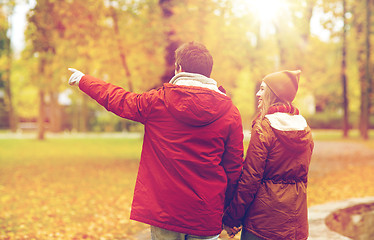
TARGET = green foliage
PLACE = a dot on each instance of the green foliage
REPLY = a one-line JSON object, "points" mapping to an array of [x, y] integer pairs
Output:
{"points": [[333, 120], [244, 97], [24, 93], [82, 34], [325, 120], [107, 122]]}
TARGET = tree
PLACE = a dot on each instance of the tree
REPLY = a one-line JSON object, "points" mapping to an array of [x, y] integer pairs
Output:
{"points": [[41, 20], [121, 51], [367, 80], [132, 44], [343, 72], [361, 25], [6, 59], [170, 37]]}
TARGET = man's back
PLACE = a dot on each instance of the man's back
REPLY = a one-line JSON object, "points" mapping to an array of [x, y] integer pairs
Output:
{"points": [[193, 145], [192, 136]]}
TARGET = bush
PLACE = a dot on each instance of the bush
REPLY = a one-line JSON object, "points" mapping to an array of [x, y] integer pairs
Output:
{"points": [[327, 120]]}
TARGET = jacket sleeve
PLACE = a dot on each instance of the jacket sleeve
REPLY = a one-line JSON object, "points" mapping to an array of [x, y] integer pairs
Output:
{"points": [[232, 160], [250, 179], [115, 99]]}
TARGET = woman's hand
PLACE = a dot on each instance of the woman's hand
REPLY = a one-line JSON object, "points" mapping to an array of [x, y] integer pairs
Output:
{"points": [[232, 231]]}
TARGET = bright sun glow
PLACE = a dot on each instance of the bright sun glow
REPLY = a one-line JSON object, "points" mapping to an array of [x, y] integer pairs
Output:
{"points": [[266, 12]]}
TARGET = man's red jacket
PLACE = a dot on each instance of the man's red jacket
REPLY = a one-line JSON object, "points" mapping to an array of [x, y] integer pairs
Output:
{"points": [[192, 153]]}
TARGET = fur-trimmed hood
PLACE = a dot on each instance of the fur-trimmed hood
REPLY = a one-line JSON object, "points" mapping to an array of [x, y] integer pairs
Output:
{"points": [[292, 130]]}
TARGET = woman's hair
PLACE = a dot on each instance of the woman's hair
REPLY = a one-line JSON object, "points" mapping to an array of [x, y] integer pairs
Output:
{"points": [[269, 99]]}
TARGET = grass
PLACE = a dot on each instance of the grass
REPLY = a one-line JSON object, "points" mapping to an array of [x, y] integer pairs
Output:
{"points": [[68, 150], [337, 135], [81, 187]]}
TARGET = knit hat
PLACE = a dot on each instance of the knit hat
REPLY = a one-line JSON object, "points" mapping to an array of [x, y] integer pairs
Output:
{"points": [[284, 84]]}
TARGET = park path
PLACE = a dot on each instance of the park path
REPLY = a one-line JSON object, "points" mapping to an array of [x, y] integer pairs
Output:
{"points": [[336, 155]]}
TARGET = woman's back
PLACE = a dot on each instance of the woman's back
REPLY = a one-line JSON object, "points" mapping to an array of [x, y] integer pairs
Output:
{"points": [[279, 207], [271, 198]]}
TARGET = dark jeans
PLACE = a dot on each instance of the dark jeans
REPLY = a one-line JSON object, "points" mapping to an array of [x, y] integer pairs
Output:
{"points": [[248, 236]]}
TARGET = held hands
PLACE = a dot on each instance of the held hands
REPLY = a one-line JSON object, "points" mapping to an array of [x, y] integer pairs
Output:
{"points": [[232, 231], [75, 77]]}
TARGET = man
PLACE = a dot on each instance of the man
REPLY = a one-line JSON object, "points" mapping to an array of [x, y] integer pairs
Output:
{"points": [[192, 152]]}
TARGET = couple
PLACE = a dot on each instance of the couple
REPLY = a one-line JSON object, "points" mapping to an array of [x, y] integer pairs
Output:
{"points": [[192, 179]]}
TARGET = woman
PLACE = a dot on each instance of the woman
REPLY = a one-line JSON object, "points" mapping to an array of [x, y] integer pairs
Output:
{"points": [[271, 198]]}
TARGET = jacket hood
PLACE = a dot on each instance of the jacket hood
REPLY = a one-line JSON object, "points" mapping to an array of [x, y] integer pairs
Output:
{"points": [[292, 130], [195, 105]]}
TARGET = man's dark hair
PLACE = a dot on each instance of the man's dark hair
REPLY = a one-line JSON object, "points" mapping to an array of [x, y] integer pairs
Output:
{"points": [[194, 57]]}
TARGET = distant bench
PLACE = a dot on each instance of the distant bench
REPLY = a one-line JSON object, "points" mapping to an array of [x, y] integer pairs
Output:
{"points": [[30, 126]]}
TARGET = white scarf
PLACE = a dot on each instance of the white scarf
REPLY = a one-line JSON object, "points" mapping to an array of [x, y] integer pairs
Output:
{"points": [[196, 80]]}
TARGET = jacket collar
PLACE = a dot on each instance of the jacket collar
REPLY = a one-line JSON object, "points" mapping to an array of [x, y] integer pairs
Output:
{"points": [[195, 80]]}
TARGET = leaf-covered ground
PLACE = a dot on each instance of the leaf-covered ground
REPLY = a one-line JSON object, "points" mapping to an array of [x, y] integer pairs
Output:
{"points": [[73, 201], [77, 188], [340, 170], [82, 188]]}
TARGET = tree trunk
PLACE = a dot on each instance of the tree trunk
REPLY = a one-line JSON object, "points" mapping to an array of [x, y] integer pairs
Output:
{"points": [[41, 117], [282, 49], [42, 114], [167, 12], [55, 119], [305, 35], [308, 16], [75, 119], [366, 112], [121, 50], [366, 80], [361, 73], [8, 95], [7, 83], [343, 74], [259, 46], [359, 27], [83, 123]]}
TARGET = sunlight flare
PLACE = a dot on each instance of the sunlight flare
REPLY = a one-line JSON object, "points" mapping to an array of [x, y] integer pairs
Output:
{"points": [[268, 10], [265, 11]]}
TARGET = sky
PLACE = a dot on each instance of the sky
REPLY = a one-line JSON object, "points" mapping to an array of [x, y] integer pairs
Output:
{"points": [[18, 20]]}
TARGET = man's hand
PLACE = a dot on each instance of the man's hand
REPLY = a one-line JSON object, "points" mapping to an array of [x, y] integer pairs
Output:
{"points": [[75, 77], [232, 231]]}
